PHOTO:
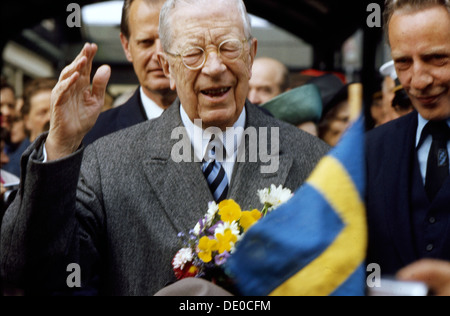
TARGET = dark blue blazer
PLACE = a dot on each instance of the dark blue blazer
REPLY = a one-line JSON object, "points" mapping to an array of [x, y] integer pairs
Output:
{"points": [[128, 114], [13, 165], [390, 156]]}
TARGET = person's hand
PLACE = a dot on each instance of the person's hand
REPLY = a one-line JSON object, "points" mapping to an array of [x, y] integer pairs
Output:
{"points": [[2, 190], [75, 106], [434, 273]]}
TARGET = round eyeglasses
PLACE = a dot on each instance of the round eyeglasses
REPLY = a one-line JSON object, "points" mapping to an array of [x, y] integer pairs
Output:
{"points": [[195, 57]]}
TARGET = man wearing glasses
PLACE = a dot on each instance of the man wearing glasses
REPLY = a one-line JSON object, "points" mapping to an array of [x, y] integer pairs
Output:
{"points": [[116, 207]]}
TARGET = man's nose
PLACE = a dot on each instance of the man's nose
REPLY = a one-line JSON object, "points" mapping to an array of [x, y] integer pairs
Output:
{"points": [[421, 78], [157, 49], [253, 97], [214, 64], [6, 111], [158, 46]]}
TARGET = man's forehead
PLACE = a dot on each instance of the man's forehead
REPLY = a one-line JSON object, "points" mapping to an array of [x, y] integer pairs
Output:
{"points": [[200, 26], [144, 13], [6, 90], [206, 5], [145, 32], [425, 17], [216, 10], [408, 25]]}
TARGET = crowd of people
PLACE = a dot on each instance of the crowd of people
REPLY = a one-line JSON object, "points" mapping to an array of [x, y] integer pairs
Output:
{"points": [[98, 185]]}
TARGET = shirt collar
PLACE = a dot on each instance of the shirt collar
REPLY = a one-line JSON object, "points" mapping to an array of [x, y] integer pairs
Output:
{"points": [[420, 126], [152, 110], [200, 138]]}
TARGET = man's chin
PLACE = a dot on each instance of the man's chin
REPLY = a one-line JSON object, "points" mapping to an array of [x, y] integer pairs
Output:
{"points": [[218, 119], [160, 86], [436, 113]]}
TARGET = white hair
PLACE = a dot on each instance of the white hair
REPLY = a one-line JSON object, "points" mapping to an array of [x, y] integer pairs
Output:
{"points": [[170, 5]]}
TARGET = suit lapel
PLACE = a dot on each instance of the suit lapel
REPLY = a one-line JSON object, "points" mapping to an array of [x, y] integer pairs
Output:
{"points": [[132, 112], [249, 177], [397, 173], [178, 185]]}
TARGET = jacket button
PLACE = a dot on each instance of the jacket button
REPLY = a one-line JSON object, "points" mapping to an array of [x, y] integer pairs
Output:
{"points": [[430, 247]]}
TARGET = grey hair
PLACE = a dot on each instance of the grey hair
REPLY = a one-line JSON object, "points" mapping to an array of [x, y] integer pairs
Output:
{"points": [[170, 5], [392, 6]]}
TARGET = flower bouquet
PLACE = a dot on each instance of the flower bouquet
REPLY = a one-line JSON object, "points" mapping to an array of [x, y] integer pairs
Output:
{"points": [[213, 240]]}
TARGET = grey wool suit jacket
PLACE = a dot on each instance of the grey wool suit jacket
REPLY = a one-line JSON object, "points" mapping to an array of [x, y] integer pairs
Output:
{"points": [[116, 207]]}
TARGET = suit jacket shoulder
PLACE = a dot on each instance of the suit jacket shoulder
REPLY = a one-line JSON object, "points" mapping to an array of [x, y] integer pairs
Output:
{"points": [[303, 146], [390, 146], [392, 132]]}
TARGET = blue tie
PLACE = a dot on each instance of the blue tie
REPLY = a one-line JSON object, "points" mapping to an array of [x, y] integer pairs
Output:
{"points": [[437, 163], [215, 175]]}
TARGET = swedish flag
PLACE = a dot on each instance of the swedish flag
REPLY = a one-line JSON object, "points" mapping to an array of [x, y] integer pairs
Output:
{"points": [[315, 244]]}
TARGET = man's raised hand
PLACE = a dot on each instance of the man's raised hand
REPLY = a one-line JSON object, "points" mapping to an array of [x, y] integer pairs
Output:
{"points": [[75, 105]]}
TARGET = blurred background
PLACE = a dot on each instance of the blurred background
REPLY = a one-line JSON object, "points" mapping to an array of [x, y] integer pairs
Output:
{"points": [[323, 35]]}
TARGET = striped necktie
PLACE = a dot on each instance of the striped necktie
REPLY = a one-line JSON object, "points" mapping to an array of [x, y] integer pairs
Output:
{"points": [[215, 173]]}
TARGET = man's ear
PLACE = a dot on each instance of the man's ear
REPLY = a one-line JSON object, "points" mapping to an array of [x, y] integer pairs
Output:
{"points": [[252, 55], [162, 58], [27, 123], [126, 47]]}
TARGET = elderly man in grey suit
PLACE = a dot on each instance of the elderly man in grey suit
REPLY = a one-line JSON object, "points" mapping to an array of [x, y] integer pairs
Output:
{"points": [[115, 209]]}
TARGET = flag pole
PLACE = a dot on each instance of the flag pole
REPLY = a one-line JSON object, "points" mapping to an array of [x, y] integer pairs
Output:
{"points": [[355, 97]]}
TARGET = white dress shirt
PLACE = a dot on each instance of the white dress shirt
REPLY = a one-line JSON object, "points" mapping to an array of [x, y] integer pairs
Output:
{"points": [[231, 139], [424, 149], [152, 110]]}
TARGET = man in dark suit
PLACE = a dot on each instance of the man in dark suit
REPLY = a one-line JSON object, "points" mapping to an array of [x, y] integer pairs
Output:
{"points": [[117, 207], [407, 159], [141, 44]]}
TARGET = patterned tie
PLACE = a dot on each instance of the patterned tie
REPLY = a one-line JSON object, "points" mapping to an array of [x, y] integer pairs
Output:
{"points": [[215, 173], [437, 164]]}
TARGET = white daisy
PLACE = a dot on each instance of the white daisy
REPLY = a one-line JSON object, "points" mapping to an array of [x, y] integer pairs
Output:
{"points": [[182, 257], [274, 196], [233, 226], [213, 208]]}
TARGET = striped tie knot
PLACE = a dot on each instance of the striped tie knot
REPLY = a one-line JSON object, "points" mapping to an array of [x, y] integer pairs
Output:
{"points": [[215, 150], [214, 172]]}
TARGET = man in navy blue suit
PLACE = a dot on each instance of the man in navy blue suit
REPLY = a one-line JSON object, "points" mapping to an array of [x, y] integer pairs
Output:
{"points": [[408, 193], [141, 44]]}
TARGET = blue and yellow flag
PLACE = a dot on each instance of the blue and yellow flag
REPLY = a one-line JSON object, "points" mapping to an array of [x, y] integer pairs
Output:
{"points": [[314, 244]]}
